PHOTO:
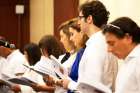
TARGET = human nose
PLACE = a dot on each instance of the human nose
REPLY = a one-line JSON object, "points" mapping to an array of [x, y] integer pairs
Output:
{"points": [[61, 40], [79, 22], [71, 38], [110, 49]]}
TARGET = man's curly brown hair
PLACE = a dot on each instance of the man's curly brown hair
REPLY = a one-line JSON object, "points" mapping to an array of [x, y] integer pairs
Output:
{"points": [[97, 10]]}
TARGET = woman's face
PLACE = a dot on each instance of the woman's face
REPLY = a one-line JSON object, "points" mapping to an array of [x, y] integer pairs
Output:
{"points": [[76, 37], [119, 47], [64, 39]]}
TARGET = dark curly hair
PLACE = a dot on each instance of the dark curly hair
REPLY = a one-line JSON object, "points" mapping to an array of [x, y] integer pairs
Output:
{"points": [[122, 26], [52, 45], [97, 10], [33, 52]]}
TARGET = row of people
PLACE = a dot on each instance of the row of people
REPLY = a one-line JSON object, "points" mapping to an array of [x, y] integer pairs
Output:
{"points": [[90, 66]]}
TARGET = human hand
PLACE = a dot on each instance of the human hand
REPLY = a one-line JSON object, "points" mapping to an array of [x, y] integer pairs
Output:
{"points": [[65, 83], [36, 87], [49, 80], [15, 88]]}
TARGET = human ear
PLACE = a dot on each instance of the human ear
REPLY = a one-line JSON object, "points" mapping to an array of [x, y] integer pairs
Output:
{"points": [[89, 19]]}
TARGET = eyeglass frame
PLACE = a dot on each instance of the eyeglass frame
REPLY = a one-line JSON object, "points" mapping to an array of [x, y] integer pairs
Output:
{"points": [[80, 17]]}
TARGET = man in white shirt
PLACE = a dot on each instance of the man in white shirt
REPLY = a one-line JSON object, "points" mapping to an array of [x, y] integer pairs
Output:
{"points": [[15, 60], [123, 38], [94, 65]]}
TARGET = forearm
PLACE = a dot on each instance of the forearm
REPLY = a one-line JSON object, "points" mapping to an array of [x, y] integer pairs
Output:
{"points": [[43, 88]]}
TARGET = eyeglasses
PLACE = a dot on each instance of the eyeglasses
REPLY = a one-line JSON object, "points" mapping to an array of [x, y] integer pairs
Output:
{"points": [[80, 17]]}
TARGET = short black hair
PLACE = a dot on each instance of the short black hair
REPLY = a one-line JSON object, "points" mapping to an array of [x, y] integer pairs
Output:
{"points": [[6, 44], [122, 26], [97, 10], [33, 52]]}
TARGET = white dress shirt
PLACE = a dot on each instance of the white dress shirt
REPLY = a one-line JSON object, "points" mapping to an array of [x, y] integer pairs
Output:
{"points": [[95, 56], [128, 78], [68, 63], [15, 63], [97, 88], [90, 68], [44, 64], [3, 62]]}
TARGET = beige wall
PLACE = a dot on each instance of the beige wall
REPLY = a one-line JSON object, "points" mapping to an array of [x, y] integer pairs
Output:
{"points": [[41, 19], [118, 8], [41, 14]]}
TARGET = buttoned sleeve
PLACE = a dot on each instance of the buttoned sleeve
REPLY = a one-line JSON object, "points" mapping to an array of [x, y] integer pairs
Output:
{"points": [[72, 85]]}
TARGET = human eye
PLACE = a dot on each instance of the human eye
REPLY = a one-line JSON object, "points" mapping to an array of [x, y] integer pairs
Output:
{"points": [[71, 34]]}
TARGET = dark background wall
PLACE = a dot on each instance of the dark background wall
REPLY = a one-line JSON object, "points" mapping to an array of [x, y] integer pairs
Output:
{"points": [[14, 27], [63, 11]]}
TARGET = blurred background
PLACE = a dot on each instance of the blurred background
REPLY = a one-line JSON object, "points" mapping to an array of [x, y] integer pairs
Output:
{"points": [[24, 21]]}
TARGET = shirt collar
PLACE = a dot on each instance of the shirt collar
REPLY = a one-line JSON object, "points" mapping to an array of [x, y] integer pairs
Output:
{"points": [[93, 36], [134, 53]]}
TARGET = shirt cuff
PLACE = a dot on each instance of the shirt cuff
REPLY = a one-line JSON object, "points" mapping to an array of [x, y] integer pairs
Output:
{"points": [[72, 85]]}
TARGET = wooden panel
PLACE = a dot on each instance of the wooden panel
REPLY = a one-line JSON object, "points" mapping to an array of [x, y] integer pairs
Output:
{"points": [[13, 26], [64, 10]]}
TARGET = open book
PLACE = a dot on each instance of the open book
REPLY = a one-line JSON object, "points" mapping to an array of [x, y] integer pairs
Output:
{"points": [[5, 82], [44, 71], [10, 80], [22, 80]]}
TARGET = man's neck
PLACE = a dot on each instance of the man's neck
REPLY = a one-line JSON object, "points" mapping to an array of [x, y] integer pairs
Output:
{"points": [[93, 29]]}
